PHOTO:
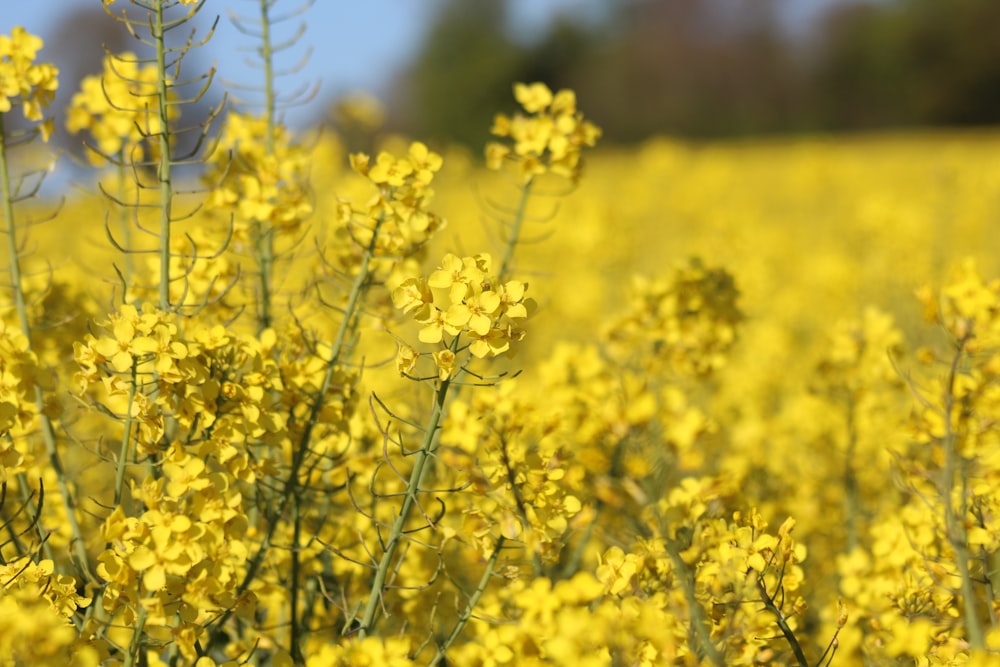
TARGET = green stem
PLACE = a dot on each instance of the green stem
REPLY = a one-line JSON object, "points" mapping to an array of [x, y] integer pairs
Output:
{"points": [[163, 173], [786, 630], [295, 634], [33, 510], [423, 455], [852, 497], [12, 246], [955, 521], [126, 228], [698, 622], [263, 231], [515, 231], [519, 503], [135, 646], [572, 564], [265, 268], [47, 428], [466, 615], [358, 289], [989, 576], [123, 452], [267, 55]]}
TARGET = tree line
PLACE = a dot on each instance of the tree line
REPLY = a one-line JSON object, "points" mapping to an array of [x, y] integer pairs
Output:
{"points": [[714, 68]]}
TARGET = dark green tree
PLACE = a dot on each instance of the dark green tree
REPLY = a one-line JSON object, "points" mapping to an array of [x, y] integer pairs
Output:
{"points": [[714, 68], [453, 86], [910, 62]]}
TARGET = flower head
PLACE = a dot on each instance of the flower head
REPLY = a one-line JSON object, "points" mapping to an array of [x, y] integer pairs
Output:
{"points": [[22, 79], [461, 299], [549, 137], [118, 107]]}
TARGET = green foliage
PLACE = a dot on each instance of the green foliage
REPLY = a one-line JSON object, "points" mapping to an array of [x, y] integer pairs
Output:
{"points": [[909, 63], [448, 87], [710, 69]]}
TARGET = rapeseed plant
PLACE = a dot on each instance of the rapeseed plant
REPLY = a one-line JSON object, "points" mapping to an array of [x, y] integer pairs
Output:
{"points": [[292, 422]]}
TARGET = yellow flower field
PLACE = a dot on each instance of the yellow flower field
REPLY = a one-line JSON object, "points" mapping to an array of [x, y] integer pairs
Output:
{"points": [[562, 403]]}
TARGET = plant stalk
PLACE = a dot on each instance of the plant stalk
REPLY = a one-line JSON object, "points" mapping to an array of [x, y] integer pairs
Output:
{"points": [[45, 422]]}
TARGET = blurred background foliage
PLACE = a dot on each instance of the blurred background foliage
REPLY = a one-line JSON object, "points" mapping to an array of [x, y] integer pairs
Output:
{"points": [[715, 68], [694, 69]]}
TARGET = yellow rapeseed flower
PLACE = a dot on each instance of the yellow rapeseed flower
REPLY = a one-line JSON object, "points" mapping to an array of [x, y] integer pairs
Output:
{"points": [[119, 108], [22, 79], [547, 138]]}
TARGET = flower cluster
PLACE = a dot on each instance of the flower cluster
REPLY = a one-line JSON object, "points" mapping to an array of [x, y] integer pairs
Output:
{"points": [[119, 109], [214, 384], [182, 557], [956, 411], [547, 138], [397, 218], [688, 321], [968, 307], [910, 615], [37, 606], [462, 298], [260, 174], [503, 441], [18, 370], [861, 356], [732, 577], [22, 78]]}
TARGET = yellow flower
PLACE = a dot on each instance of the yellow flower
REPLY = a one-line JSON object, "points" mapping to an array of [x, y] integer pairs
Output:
{"points": [[406, 359], [512, 299], [434, 327], [496, 153], [390, 171], [424, 162], [477, 312], [616, 570], [535, 97], [480, 307], [548, 139], [445, 360], [360, 162], [412, 295], [185, 473], [34, 84], [118, 108], [118, 350]]}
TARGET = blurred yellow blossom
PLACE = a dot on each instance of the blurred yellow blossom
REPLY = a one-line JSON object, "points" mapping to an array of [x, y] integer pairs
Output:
{"points": [[119, 108], [23, 80]]}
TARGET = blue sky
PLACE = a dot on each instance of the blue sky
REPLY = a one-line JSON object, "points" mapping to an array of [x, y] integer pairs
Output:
{"points": [[356, 44]]}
